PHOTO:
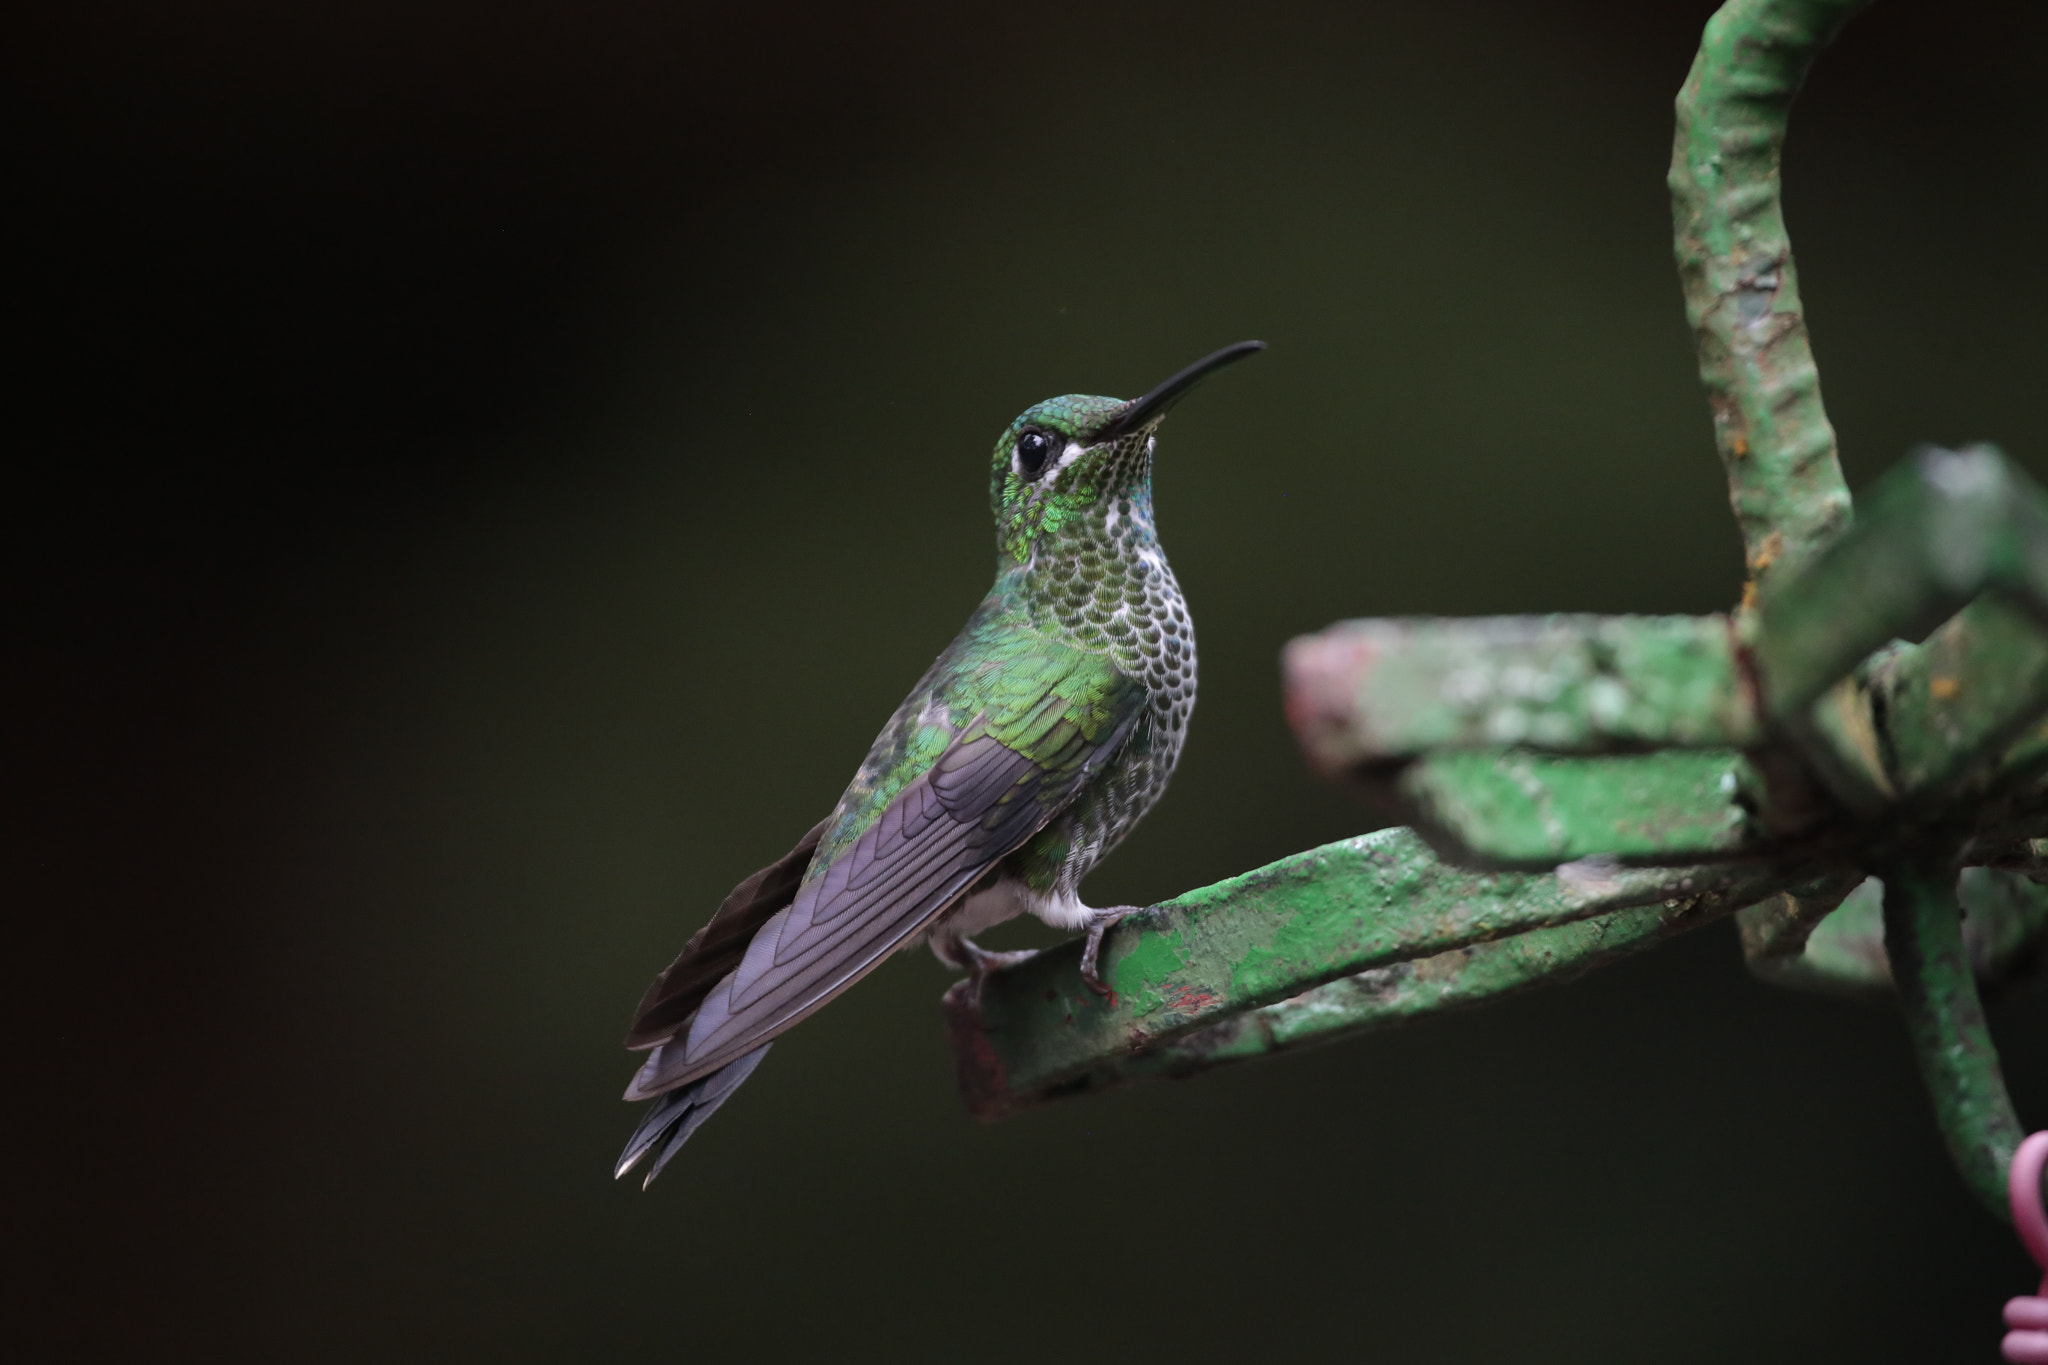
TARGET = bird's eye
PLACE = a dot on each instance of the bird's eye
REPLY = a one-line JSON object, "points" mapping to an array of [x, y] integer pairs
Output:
{"points": [[1034, 449]]}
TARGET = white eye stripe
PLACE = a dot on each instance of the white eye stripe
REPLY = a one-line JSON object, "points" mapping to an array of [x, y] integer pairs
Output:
{"points": [[1074, 451]]}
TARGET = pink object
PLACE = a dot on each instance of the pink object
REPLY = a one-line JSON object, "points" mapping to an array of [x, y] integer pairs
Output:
{"points": [[2027, 1342]]}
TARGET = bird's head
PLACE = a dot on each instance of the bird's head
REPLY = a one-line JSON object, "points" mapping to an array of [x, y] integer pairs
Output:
{"points": [[1080, 457]]}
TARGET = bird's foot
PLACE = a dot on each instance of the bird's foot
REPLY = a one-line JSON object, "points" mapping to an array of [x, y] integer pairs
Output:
{"points": [[1104, 920], [964, 954]]}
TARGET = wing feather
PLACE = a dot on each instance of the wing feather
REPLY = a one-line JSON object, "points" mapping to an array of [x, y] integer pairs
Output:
{"points": [[716, 949], [980, 800]]}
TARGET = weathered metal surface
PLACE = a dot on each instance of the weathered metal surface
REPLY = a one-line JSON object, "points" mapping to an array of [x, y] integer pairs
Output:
{"points": [[1396, 994], [1842, 952], [1518, 809], [1844, 955], [1975, 687], [1268, 935], [1741, 291], [1934, 533], [1776, 931], [1366, 692], [1924, 939], [1837, 738]]}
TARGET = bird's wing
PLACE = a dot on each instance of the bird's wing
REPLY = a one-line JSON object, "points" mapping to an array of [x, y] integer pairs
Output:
{"points": [[1049, 716], [717, 948]]}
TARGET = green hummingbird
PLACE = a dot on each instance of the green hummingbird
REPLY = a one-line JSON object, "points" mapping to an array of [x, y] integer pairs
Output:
{"points": [[1027, 751]]}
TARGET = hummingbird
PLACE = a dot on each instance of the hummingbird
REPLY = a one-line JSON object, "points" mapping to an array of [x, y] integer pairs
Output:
{"points": [[1033, 744]]}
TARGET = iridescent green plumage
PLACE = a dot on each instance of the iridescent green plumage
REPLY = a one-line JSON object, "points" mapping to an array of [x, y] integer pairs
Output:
{"points": [[1032, 745], [1002, 677]]}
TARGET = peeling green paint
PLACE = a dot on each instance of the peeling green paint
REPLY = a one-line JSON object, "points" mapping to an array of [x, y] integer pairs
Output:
{"points": [[2005, 936], [1387, 996], [1923, 936], [1366, 692], [1935, 533], [1140, 970], [1513, 808], [1273, 933], [1741, 288], [1978, 683]]}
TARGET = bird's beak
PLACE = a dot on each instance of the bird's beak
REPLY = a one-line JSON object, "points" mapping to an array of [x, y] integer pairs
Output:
{"points": [[1141, 411]]}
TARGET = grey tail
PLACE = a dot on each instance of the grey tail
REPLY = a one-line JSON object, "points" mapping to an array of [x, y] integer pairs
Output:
{"points": [[673, 1116]]}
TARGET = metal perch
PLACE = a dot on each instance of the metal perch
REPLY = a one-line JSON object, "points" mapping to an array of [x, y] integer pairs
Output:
{"points": [[1580, 788]]}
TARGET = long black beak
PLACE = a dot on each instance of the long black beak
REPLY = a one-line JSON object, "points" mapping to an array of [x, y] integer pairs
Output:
{"points": [[1139, 411]]}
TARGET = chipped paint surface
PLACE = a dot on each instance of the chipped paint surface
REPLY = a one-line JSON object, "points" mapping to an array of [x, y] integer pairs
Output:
{"points": [[1258, 939], [1396, 994], [1514, 808], [1977, 684], [1923, 936], [1371, 691], [1936, 535], [1741, 288], [1841, 950]]}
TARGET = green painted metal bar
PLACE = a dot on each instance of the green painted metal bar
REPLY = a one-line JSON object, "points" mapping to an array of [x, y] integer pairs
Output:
{"points": [[1842, 951], [1511, 808], [1367, 692], [1934, 534], [1791, 740], [1963, 698], [1388, 996], [1741, 290], [1776, 933], [1271, 934], [1837, 739], [1923, 936]]}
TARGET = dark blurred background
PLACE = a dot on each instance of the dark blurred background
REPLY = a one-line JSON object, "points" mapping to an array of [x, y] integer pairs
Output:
{"points": [[487, 470]]}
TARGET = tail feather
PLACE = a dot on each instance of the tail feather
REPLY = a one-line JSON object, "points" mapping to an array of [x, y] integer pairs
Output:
{"points": [[674, 1116]]}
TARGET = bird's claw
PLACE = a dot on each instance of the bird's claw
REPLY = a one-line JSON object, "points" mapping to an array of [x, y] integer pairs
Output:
{"points": [[979, 962], [1091, 952]]}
